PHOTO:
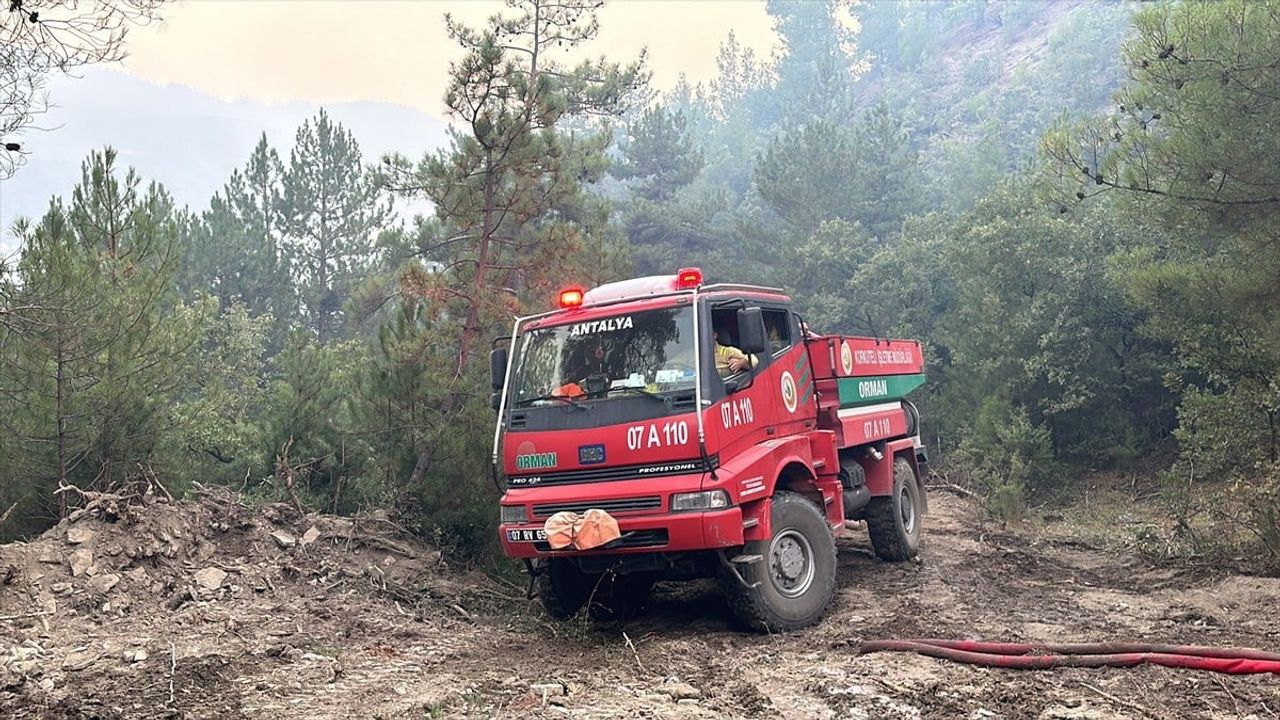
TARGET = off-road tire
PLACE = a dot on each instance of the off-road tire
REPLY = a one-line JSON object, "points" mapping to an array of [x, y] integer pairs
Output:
{"points": [[562, 588], [796, 522], [895, 534], [619, 598]]}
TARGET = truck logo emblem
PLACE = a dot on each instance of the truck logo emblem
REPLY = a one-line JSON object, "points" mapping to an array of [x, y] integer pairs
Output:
{"points": [[790, 397], [536, 461], [590, 454], [846, 358]]}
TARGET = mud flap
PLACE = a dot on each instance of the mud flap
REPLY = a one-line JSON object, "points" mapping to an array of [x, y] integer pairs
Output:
{"points": [[922, 467]]}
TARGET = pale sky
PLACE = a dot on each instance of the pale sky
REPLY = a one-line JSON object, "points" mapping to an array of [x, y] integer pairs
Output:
{"points": [[327, 51]]}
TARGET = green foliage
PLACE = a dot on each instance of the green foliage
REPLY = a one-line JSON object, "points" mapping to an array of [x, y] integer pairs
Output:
{"points": [[658, 155], [331, 210], [1189, 153], [510, 189], [821, 171], [216, 436], [980, 82], [825, 265], [310, 430], [818, 62], [233, 249], [103, 343], [1007, 457]]}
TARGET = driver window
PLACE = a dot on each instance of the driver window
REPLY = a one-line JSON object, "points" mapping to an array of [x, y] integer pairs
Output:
{"points": [[730, 360]]}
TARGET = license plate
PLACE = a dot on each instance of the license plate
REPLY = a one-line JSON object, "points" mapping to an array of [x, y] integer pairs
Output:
{"points": [[531, 535]]}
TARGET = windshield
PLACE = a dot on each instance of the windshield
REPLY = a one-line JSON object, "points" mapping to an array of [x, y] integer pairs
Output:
{"points": [[641, 353]]}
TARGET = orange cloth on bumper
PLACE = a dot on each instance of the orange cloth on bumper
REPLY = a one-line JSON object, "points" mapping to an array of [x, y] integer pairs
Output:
{"points": [[592, 529]]}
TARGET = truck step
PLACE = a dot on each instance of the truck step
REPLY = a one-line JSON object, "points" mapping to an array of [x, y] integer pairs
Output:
{"points": [[750, 523], [747, 559]]}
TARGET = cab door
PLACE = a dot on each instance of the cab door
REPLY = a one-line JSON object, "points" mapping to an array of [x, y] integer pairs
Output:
{"points": [[744, 411], [787, 375]]}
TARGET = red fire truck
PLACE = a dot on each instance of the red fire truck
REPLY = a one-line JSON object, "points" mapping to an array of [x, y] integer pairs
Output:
{"points": [[622, 399]]}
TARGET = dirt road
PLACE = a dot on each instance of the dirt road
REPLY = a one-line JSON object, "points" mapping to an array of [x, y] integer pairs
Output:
{"points": [[197, 611]]}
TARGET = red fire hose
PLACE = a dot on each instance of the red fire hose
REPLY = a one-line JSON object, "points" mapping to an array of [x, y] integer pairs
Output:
{"points": [[1047, 656]]}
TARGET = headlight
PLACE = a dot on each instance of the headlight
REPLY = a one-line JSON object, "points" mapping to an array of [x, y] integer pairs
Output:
{"points": [[513, 514], [707, 500]]}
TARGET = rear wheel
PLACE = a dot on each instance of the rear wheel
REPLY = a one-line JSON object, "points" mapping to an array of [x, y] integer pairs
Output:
{"points": [[894, 521], [562, 588], [796, 574]]}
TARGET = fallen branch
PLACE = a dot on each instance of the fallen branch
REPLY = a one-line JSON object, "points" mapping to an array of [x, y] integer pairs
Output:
{"points": [[953, 488], [894, 687], [173, 668], [1118, 701], [19, 616], [634, 652], [9, 512]]}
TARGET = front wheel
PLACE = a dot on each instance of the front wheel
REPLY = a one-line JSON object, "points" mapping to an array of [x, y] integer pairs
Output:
{"points": [[894, 521], [796, 575], [562, 588], [619, 598]]}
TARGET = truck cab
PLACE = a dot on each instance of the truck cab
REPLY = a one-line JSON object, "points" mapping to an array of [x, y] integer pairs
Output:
{"points": [[711, 427]]}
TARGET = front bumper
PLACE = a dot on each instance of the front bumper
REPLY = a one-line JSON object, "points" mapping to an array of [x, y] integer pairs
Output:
{"points": [[666, 532]]}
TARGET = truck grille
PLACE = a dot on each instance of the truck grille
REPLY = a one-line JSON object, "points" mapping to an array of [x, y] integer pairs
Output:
{"points": [[632, 539], [610, 506]]}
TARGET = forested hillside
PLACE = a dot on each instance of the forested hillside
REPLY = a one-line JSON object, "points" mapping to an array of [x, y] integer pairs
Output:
{"points": [[1073, 205]]}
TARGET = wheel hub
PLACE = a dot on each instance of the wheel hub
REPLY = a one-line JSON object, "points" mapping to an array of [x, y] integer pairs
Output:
{"points": [[791, 563], [907, 509]]}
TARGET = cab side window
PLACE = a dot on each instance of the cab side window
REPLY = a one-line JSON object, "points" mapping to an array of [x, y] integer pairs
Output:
{"points": [[777, 324], [730, 360]]}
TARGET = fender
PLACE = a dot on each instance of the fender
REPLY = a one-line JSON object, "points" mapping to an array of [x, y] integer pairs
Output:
{"points": [[880, 472], [752, 476]]}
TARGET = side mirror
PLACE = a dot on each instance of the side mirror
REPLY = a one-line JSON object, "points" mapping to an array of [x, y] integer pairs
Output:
{"points": [[498, 368], [751, 336]]}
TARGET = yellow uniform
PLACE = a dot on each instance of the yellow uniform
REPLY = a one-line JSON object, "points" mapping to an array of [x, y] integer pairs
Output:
{"points": [[725, 353]]}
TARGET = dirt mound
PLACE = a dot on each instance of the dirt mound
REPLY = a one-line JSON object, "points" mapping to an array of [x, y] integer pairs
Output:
{"points": [[170, 598]]}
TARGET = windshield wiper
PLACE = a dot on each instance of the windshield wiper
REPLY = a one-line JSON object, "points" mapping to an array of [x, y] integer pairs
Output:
{"points": [[571, 400]]}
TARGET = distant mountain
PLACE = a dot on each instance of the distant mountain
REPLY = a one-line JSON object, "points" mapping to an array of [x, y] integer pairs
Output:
{"points": [[187, 140]]}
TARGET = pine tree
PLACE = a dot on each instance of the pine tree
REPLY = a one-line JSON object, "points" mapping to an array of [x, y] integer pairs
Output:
{"points": [[508, 190], [658, 154], [866, 173], [332, 209], [819, 61], [106, 343], [1190, 154], [232, 250]]}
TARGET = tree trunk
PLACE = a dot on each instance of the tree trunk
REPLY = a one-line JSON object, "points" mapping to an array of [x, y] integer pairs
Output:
{"points": [[59, 393], [469, 329]]}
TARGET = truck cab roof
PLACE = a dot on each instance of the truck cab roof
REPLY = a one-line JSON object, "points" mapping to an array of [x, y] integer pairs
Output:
{"points": [[650, 291]]}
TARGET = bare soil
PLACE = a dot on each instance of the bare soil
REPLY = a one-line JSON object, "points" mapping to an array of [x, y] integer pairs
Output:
{"points": [[194, 610]]}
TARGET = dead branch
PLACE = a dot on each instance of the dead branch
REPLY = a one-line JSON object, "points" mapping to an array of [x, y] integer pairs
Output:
{"points": [[153, 482], [634, 652], [9, 512], [19, 616], [1119, 702], [173, 668], [953, 488], [286, 471]]}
